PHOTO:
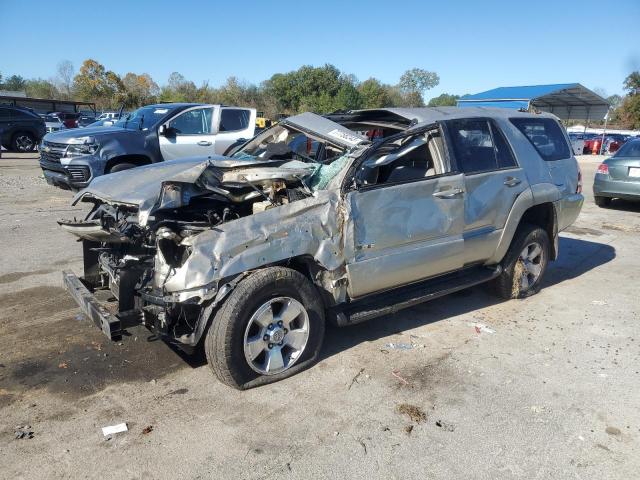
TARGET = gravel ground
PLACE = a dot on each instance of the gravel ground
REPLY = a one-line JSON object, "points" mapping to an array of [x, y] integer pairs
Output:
{"points": [[545, 387]]}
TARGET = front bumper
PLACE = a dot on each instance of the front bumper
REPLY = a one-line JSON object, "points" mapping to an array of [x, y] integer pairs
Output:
{"points": [[66, 176], [109, 324], [605, 186]]}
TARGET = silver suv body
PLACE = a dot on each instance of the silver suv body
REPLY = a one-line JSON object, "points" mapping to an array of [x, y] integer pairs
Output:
{"points": [[345, 217]]}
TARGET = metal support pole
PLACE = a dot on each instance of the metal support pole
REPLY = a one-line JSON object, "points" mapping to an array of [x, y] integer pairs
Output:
{"points": [[604, 131]]}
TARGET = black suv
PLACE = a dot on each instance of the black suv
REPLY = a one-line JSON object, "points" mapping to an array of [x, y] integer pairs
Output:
{"points": [[21, 129]]}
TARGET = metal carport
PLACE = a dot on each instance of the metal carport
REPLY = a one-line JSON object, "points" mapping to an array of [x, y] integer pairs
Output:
{"points": [[568, 101]]}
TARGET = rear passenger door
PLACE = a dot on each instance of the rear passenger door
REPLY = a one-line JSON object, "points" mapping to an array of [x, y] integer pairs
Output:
{"points": [[232, 125], [492, 181]]}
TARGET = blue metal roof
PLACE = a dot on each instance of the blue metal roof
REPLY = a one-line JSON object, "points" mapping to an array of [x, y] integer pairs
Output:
{"points": [[527, 93], [568, 101]]}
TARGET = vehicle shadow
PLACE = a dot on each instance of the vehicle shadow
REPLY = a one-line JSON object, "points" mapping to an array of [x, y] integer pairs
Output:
{"points": [[576, 258], [623, 205]]}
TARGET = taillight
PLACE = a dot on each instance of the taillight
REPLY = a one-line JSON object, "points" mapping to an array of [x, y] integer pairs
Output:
{"points": [[603, 169], [579, 186]]}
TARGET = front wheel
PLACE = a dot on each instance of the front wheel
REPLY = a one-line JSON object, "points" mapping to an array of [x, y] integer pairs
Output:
{"points": [[269, 328], [525, 263]]}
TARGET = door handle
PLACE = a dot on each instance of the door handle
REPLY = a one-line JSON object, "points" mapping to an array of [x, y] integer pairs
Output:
{"points": [[448, 193], [204, 143], [512, 181]]}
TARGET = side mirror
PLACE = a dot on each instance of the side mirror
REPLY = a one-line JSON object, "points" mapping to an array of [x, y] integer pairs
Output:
{"points": [[166, 131]]}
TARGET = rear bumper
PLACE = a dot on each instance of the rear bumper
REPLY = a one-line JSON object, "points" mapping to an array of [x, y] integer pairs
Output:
{"points": [[607, 187], [569, 210], [91, 307]]}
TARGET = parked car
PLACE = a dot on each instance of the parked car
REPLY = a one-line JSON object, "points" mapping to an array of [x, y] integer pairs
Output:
{"points": [[85, 120], [248, 255], [577, 142], [108, 116], [71, 159], [22, 129], [612, 142], [102, 123], [70, 119], [619, 175], [52, 122]]}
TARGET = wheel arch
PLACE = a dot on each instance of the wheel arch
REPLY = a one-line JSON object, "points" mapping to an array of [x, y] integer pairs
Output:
{"points": [[525, 210], [135, 159]]}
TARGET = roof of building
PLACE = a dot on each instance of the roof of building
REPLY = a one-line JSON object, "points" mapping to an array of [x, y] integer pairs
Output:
{"points": [[568, 101]]}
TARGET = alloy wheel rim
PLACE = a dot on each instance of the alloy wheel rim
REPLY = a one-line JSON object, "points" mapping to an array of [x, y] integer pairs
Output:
{"points": [[531, 259], [276, 335], [24, 142]]}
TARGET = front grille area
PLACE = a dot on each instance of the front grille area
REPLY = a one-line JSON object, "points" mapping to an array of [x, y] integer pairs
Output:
{"points": [[79, 173], [52, 152]]}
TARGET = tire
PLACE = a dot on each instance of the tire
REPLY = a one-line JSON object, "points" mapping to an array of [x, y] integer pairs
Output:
{"points": [[511, 283], [602, 201], [228, 345], [23, 142], [122, 166]]}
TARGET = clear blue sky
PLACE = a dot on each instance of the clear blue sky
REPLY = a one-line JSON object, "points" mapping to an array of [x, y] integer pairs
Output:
{"points": [[472, 45]]}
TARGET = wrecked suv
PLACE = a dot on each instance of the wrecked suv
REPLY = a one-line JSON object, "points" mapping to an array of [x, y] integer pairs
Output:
{"points": [[311, 220]]}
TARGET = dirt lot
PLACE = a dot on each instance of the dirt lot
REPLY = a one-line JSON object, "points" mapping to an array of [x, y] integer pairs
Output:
{"points": [[549, 389]]}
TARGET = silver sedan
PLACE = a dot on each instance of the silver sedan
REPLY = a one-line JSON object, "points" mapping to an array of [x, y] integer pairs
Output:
{"points": [[619, 175]]}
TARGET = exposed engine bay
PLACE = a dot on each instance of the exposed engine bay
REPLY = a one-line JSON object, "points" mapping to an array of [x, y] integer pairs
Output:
{"points": [[140, 232]]}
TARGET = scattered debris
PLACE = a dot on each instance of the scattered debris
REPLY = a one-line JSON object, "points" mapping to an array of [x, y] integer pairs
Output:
{"points": [[408, 429], [447, 427], [355, 378], [481, 328], [63, 365], [23, 431], [361, 442], [79, 317], [518, 270], [395, 374], [399, 346], [599, 302], [335, 434], [110, 430], [180, 391], [613, 431], [148, 429], [416, 414]]}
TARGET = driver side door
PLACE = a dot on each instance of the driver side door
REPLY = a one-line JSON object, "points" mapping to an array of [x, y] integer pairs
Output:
{"points": [[189, 134], [407, 222]]}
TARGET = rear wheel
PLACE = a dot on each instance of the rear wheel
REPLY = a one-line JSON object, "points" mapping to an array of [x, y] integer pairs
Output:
{"points": [[270, 327], [602, 201], [525, 263], [23, 142]]}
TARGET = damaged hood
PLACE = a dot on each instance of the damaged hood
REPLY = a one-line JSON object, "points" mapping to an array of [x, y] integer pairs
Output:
{"points": [[141, 186], [326, 129]]}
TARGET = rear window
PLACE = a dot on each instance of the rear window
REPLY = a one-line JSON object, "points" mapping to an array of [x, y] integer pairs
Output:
{"points": [[232, 120], [629, 149], [545, 135]]}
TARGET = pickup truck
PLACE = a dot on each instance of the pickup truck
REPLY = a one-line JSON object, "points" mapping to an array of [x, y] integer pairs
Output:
{"points": [[246, 256], [73, 158]]}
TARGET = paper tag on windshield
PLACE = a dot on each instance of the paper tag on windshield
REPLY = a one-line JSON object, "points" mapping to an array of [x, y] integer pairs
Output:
{"points": [[345, 137], [160, 111]]}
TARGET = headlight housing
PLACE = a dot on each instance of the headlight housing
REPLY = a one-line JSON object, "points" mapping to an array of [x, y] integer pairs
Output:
{"points": [[78, 149]]}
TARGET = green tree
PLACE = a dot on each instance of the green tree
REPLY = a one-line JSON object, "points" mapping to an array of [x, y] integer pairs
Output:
{"points": [[64, 79], [14, 83], [374, 94], [414, 82], [94, 83], [40, 88], [444, 100], [632, 83], [179, 89], [139, 90]]}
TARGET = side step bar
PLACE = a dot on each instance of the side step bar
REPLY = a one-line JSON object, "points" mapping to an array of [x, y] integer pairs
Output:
{"points": [[391, 301]]}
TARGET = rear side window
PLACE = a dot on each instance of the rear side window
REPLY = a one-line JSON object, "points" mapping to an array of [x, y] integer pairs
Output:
{"points": [[479, 146], [545, 135], [232, 119]]}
